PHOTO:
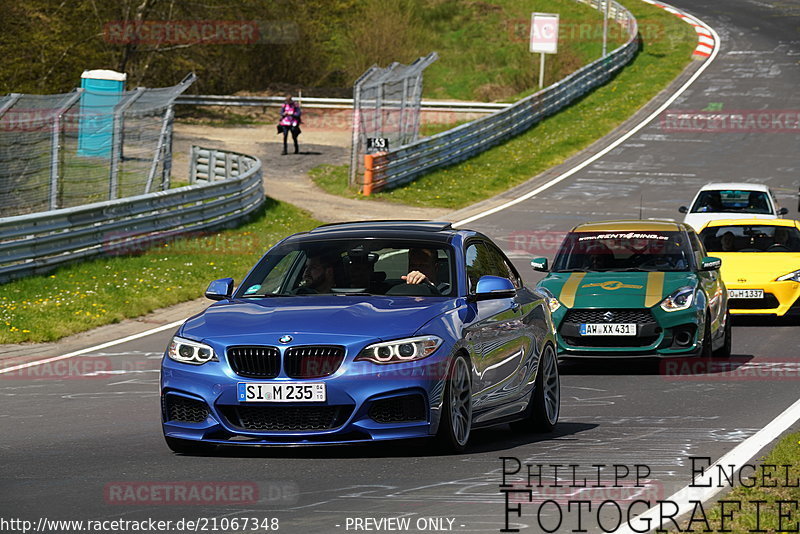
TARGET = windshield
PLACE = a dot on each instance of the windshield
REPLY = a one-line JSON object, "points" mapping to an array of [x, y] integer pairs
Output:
{"points": [[352, 267], [751, 238], [625, 251], [732, 201]]}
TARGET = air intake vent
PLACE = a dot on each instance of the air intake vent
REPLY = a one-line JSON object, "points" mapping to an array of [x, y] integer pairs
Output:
{"points": [[313, 361], [255, 361]]}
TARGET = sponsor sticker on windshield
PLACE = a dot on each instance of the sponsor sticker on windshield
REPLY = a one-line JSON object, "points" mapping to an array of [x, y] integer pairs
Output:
{"points": [[627, 235]]}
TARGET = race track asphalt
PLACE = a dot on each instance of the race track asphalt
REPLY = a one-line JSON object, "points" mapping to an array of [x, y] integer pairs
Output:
{"points": [[78, 447]]}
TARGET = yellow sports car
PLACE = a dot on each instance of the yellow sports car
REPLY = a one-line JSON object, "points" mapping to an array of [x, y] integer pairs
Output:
{"points": [[760, 263]]}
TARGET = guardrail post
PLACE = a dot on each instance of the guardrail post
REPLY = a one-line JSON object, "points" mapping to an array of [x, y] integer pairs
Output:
{"points": [[55, 147], [368, 163], [212, 165]]}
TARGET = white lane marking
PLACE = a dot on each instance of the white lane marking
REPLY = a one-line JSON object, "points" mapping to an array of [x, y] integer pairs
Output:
{"points": [[738, 456], [92, 349], [606, 150]]}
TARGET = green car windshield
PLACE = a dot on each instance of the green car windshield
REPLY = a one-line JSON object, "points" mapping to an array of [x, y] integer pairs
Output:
{"points": [[623, 251]]}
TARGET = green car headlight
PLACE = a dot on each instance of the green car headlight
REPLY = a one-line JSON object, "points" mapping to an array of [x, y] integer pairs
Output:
{"points": [[680, 299], [191, 352], [552, 302]]}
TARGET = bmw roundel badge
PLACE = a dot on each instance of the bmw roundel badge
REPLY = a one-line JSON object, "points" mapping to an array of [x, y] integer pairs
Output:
{"points": [[285, 339]]}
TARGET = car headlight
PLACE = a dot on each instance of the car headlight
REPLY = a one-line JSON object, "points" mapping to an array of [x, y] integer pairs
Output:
{"points": [[188, 351], [680, 299], [401, 350], [794, 277], [552, 302]]}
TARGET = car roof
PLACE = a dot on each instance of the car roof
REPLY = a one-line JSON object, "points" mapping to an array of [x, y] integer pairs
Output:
{"points": [[742, 186], [750, 222], [434, 231], [634, 225]]}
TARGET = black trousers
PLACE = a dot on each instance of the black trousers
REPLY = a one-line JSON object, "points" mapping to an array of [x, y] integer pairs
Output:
{"points": [[295, 130]]}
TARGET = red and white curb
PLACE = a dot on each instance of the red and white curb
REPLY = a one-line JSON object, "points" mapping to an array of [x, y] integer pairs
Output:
{"points": [[705, 38]]}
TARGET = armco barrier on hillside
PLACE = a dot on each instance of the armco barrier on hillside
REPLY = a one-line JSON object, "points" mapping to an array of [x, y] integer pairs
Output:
{"points": [[406, 163], [31, 244]]}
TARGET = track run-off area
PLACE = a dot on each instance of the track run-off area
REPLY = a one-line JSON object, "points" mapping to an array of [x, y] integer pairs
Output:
{"points": [[87, 445]]}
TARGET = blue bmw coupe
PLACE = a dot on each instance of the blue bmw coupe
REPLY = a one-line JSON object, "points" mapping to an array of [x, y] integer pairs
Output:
{"points": [[359, 332]]}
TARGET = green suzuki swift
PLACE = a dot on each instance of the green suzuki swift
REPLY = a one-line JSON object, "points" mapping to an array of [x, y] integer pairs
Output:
{"points": [[637, 289]]}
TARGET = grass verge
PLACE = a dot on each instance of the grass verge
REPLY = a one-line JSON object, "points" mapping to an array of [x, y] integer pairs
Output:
{"points": [[664, 55], [759, 503], [109, 289]]}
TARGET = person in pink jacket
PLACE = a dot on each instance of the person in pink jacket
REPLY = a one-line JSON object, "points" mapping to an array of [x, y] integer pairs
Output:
{"points": [[290, 122]]}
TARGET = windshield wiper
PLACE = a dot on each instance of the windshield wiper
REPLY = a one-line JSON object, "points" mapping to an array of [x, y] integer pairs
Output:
{"points": [[266, 296]]}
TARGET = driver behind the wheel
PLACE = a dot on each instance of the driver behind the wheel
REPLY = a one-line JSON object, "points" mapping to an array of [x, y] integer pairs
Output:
{"points": [[319, 273], [421, 266], [781, 238]]}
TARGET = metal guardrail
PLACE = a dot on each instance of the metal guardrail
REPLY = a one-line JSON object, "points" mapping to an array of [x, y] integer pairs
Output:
{"points": [[210, 165], [330, 103], [406, 163], [32, 244]]}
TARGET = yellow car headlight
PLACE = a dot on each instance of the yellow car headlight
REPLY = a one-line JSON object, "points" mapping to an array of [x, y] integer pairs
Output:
{"points": [[793, 276]]}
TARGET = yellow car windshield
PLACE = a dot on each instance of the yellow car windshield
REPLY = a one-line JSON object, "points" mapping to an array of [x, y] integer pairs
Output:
{"points": [[751, 238]]}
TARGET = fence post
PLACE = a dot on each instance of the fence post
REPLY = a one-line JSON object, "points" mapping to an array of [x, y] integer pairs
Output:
{"points": [[13, 97], [193, 164], [55, 147], [117, 140], [166, 168], [161, 147]]}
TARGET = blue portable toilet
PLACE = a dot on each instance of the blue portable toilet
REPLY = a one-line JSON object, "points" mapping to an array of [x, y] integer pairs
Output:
{"points": [[102, 90]]}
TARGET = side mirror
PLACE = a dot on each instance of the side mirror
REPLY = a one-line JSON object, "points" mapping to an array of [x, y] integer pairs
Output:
{"points": [[494, 287], [710, 264], [220, 289], [683, 209], [783, 211], [539, 264]]}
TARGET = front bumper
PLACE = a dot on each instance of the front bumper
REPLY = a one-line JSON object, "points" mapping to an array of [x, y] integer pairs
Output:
{"points": [[365, 402], [663, 335], [780, 298]]}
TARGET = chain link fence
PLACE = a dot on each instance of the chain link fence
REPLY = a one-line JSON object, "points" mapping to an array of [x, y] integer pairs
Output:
{"points": [[386, 105], [402, 164], [66, 150]]}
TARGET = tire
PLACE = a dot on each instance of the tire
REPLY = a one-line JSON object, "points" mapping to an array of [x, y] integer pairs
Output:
{"points": [[188, 447], [455, 421], [706, 349], [725, 350], [545, 404]]}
